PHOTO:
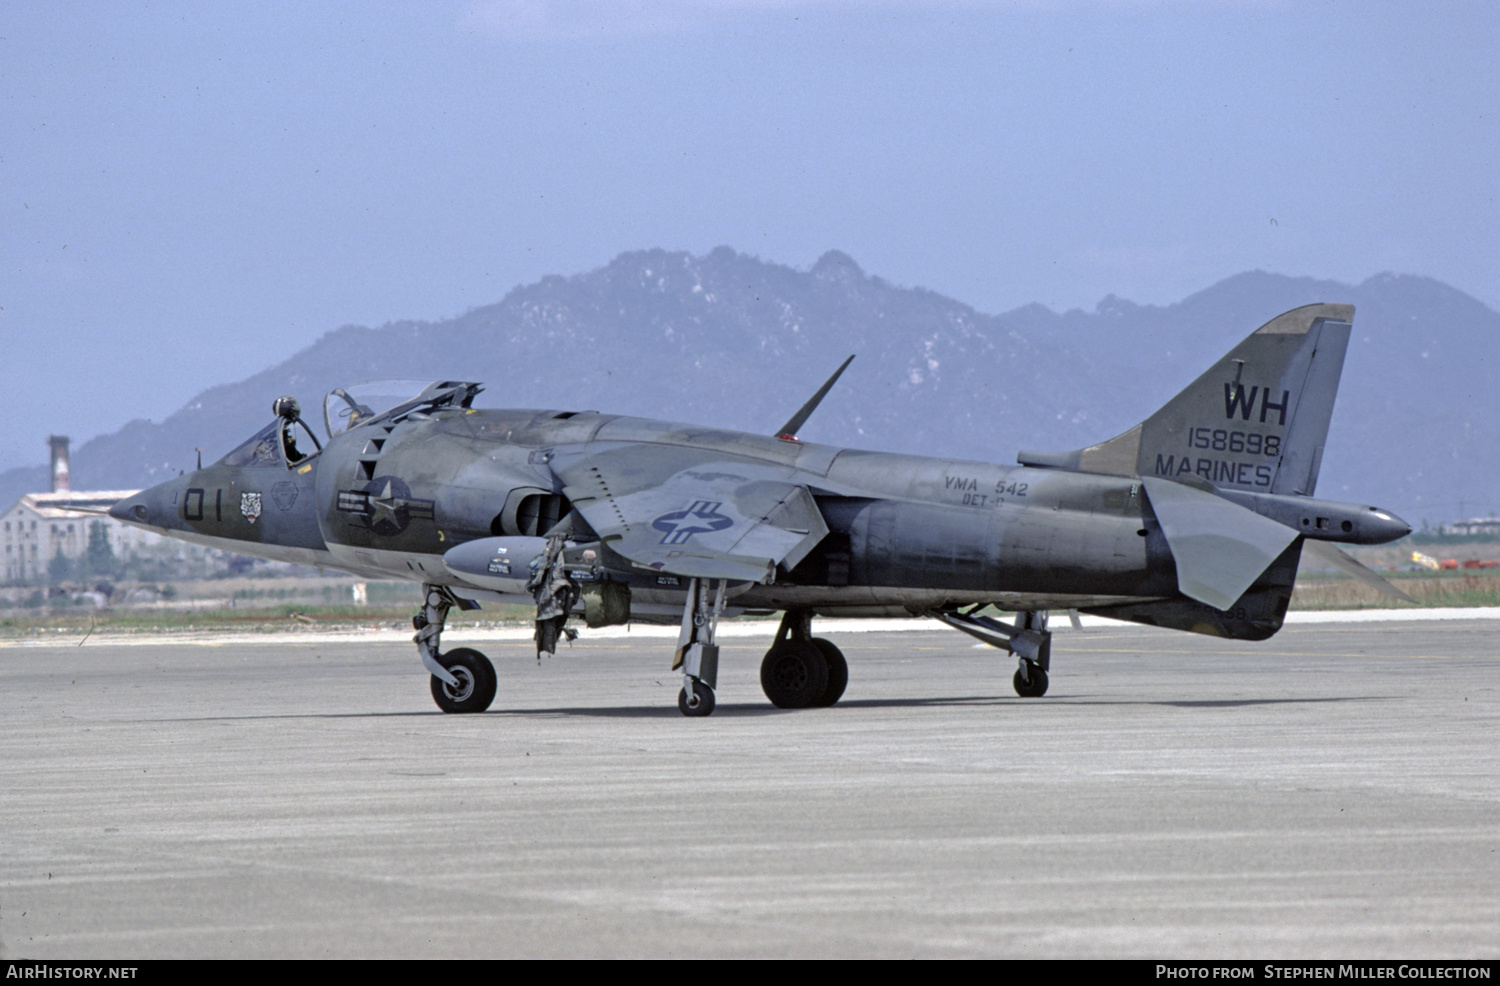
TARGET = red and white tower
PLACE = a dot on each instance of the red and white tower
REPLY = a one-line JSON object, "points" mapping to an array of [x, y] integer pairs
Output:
{"points": [[62, 480]]}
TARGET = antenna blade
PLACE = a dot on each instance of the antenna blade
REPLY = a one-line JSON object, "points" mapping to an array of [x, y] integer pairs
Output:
{"points": [[790, 429]]}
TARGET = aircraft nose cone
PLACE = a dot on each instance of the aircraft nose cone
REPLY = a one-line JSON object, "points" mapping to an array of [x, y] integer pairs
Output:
{"points": [[132, 510]]}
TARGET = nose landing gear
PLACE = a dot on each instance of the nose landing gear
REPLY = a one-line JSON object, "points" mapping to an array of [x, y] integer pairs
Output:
{"points": [[463, 680]]}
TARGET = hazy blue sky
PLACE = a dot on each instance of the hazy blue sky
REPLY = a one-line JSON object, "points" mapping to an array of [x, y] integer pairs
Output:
{"points": [[193, 191]]}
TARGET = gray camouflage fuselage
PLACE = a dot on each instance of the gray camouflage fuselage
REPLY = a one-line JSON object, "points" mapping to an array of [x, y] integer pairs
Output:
{"points": [[906, 534], [1195, 519]]}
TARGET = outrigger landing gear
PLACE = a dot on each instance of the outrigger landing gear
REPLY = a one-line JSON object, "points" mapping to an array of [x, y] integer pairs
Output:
{"points": [[697, 655], [801, 671], [1028, 639], [463, 680]]}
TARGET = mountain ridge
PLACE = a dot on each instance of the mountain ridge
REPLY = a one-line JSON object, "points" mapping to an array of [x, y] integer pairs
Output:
{"points": [[731, 340]]}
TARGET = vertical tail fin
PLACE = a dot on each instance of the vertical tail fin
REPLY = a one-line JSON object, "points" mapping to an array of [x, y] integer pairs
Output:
{"points": [[1256, 421]]}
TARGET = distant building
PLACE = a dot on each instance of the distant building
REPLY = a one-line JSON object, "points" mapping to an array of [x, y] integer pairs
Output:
{"points": [[1480, 525], [41, 525]]}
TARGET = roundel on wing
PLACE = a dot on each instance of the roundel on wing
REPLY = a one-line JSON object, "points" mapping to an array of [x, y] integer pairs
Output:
{"points": [[702, 517]]}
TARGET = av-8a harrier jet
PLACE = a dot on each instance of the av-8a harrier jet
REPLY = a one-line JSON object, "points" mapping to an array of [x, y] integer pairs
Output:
{"points": [[1195, 519]]}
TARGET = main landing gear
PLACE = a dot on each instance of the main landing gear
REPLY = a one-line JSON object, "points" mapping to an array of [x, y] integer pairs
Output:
{"points": [[463, 680], [1028, 639], [801, 671]]}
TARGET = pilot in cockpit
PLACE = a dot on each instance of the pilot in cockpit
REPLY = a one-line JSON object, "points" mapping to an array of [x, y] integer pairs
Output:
{"points": [[289, 411]]}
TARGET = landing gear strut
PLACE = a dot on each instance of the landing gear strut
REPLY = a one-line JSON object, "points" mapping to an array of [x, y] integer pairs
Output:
{"points": [[697, 655], [463, 680], [801, 671], [1028, 639]]}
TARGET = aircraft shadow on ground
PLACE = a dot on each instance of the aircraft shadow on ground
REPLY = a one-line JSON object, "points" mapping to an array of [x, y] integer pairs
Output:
{"points": [[742, 709], [1233, 703], [1013, 701]]}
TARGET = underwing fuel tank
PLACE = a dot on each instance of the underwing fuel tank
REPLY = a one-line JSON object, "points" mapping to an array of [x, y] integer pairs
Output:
{"points": [[502, 564]]}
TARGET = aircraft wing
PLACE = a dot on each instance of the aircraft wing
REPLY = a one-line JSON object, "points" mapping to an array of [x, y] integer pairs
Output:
{"points": [[694, 513]]}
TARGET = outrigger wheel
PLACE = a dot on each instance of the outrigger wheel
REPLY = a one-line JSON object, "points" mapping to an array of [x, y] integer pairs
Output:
{"points": [[1030, 680], [476, 681], [699, 703]]}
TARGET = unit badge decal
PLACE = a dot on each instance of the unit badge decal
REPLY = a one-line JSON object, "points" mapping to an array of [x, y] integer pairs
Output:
{"points": [[250, 506], [284, 494]]}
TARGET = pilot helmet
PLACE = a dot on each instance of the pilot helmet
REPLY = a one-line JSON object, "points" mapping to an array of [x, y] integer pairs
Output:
{"points": [[286, 407]]}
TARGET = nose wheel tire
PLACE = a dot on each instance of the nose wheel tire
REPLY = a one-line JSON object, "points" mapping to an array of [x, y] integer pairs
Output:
{"points": [[476, 681], [699, 703], [1033, 684]]}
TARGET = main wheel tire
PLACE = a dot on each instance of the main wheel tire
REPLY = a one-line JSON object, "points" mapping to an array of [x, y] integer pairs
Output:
{"points": [[704, 704], [476, 681], [1032, 686], [838, 672], [794, 675]]}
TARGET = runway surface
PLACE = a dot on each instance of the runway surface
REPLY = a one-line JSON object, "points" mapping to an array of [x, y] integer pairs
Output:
{"points": [[1333, 792]]}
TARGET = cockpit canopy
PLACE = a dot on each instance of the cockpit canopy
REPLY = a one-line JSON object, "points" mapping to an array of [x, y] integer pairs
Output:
{"points": [[277, 444], [261, 449], [352, 407]]}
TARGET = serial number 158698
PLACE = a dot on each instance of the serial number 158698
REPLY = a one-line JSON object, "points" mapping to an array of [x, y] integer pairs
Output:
{"points": [[1220, 440]]}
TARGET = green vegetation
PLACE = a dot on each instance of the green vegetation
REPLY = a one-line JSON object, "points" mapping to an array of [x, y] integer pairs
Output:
{"points": [[1431, 539], [278, 605], [1430, 589], [99, 558], [269, 619], [60, 568]]}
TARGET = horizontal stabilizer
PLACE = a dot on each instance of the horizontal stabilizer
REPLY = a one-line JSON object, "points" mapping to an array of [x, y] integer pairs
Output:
{"points": [[1334, 556], [1220, 548]]}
